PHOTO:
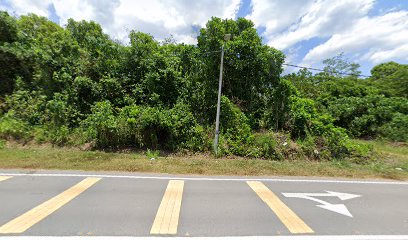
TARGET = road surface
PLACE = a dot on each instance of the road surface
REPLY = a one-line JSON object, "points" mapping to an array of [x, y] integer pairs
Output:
{"points": [[34, 204]]}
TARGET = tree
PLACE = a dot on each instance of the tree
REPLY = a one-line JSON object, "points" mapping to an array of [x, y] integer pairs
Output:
{"points": [[100, 56], [391, 78], [9, 60], [251, 69], [50, 53], [8, 28], [338, 66]]}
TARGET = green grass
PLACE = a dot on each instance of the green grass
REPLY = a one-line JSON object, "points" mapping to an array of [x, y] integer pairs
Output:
{"points": [[390, 155], [389, 159]]}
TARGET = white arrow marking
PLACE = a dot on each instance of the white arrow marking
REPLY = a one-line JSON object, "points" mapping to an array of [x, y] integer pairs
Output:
{"points": [[338, 208], [341, 196]]}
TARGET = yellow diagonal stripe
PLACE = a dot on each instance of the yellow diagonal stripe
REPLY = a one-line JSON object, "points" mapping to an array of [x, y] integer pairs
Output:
{"points": [[33, 216], [2, 178], [284, 213], [167, 216]]}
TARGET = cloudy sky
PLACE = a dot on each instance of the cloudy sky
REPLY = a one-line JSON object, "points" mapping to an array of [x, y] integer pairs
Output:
{"points": [[367, 31]]}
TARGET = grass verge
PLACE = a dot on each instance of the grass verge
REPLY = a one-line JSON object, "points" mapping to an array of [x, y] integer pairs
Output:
{"points": [[391, 162]]}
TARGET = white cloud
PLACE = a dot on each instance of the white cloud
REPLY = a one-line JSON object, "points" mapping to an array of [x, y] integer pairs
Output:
{"points": [[157, 17], [381, 38], [321, 19], [345, 24], [277, 15], [399, 53], [76, 9], [38, 7], [162, 18]]}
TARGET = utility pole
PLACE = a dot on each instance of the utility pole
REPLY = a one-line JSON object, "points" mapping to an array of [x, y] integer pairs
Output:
{"points": [[217, 121]]}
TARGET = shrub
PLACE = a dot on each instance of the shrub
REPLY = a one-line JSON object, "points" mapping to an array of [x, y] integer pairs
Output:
{"points": [[397, 128], [265, 145], [147, 127], [309, 147], [188, 134], [58, 112], [301, 114], [359, 152], [27, 106], [12, 127], [155, 127], [101, 125], [364, 116], [60, 135], [235, 131], [337, 142]]}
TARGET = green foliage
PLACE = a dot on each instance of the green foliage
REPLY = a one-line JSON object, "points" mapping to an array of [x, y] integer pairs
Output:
{"points": [[250, 68], [363, 116], [8, 28], [265, 145], [26, 106], [364, 107], [310, 147], [149, 127], [8, 60], [75, 85], [234, 128], [155, 128], [152, 154], [391, 78], [101, 125], [337, 66], [301, 114], [397, 128], [279, 103], [10, 127]]}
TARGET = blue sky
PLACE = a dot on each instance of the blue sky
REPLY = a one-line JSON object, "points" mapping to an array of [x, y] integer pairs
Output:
{"points": [[368, 32]]}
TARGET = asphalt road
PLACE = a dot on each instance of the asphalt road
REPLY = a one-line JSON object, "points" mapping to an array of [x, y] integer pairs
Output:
{"points": [[61, 203]]}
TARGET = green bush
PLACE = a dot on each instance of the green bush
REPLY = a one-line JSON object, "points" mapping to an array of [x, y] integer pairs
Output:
{"points": [[364, 116], [265, 145], [235, 131], [397, 128], [301, 114], [101, 125], [155, 127], [11, 127], [152, 127], [337, 142], [58, 112], [188, 134], [27, 106], [309, 147], [359, 152], [60, 135], [147, 127]]}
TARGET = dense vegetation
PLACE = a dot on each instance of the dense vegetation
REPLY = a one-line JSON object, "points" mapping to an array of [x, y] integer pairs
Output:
{"points": [[75, 85]]}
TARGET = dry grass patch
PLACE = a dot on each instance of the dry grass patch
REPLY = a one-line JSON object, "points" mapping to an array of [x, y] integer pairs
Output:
{"points": [[391, 163]]}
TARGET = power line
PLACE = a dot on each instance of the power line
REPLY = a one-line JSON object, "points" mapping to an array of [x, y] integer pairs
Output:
{"points": [[197, 54], [321, 70]]}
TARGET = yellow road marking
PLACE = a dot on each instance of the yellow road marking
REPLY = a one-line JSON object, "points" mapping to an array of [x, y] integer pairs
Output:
{"points": [[2, 178], [167, 216], [284, 213], [35, 215]]}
